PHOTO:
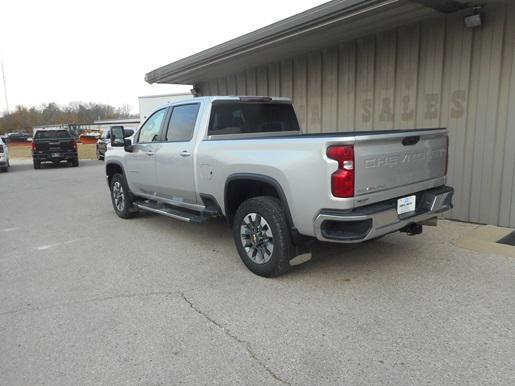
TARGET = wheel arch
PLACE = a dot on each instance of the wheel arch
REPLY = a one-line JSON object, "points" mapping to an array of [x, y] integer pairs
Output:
{"points": [[113, 168], [242, 186]]}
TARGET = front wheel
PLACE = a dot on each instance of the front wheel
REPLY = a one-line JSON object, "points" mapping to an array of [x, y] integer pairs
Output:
{"points": [[121, 197], [262, 236]]}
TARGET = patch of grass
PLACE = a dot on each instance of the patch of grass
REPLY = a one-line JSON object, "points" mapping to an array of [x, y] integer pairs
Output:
{"points": [[87, 151], [24, 152], [20, 152]]}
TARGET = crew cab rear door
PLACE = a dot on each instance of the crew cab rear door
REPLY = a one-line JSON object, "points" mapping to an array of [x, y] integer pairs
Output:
{"points": [[141, 162], [175, 158]]}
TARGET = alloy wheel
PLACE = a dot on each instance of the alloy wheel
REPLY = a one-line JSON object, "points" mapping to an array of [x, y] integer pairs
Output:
{"points": [[118, 196], [257, 238]]}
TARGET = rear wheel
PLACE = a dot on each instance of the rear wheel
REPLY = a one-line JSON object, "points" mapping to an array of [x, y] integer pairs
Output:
{"points": [[37, 164], [121, 197], [262, 236], [99, 156], [75, 162], [4, 169]]}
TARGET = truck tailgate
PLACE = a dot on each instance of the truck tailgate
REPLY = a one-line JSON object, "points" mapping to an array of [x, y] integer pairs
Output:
{"points": [[388, 161]]}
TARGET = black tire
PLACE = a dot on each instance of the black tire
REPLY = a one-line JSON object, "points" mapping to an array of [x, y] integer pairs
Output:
{"points": [[4, 169], [75, 162], [125, 210], [269, 209], [37, 164]]}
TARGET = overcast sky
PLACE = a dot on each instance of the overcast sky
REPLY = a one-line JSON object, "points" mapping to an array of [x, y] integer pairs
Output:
{"points": [[99, 51]]}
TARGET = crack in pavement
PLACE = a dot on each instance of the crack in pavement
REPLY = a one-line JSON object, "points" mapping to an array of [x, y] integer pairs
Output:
{"points": [[246, 344], [227, 332], [92, 300]]}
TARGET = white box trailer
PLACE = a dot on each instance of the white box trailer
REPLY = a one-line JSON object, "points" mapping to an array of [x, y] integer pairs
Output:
{"points": [[147, 104]]}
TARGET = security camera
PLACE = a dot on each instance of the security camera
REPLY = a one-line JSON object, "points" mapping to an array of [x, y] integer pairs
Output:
{"points": [[475, 20]]}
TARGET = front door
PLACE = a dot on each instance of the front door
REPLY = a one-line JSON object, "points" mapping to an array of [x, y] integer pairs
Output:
{"points": [[141, 162], [174, 161]]}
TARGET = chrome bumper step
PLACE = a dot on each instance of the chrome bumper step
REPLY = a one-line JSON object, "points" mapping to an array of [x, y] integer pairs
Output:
{"points": [[378, 219]]}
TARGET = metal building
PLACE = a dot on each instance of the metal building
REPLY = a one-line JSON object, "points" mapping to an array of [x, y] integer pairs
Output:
{"points": [[383, 64]]}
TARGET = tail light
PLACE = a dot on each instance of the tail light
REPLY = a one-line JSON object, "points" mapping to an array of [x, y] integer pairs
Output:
{"points": [[33, 146], [74, 144], [342, 180]]}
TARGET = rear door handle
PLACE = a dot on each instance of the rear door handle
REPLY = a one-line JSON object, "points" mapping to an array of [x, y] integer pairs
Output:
{"points": [[150, 153], [185, 153]]}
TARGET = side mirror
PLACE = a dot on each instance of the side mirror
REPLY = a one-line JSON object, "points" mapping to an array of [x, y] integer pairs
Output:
{"points": [[128, 132], [118, 138], [128, 145]]}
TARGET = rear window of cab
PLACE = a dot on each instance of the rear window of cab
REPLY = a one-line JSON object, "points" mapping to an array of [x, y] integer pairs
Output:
{"points": [[52, 134], [229, 117]]}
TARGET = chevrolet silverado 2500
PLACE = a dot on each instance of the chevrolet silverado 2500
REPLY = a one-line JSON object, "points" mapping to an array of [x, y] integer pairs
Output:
{"points": [[246, 159]]}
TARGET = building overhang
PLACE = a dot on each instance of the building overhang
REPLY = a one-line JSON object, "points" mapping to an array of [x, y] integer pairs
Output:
{"points": [[328, 24]]}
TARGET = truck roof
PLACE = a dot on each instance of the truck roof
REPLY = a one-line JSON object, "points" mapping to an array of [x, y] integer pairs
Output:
{"points": [[243, 98], [50, 129]]}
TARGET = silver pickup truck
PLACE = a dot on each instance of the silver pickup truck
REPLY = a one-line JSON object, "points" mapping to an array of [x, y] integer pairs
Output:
{"points": [[246, 159]]}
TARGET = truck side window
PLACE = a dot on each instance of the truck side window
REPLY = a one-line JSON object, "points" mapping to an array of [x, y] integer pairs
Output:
{"points": [[151, 128], [182, 123]]}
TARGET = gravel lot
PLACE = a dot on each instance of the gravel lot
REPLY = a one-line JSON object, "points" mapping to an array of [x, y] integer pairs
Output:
{"points": [[86, 297]]}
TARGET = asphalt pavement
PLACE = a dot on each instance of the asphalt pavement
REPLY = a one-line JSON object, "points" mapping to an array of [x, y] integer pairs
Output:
{"points": [[86, 297]]}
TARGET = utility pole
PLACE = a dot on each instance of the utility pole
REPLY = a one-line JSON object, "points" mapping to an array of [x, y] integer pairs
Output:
{"points": [[5, 89]]}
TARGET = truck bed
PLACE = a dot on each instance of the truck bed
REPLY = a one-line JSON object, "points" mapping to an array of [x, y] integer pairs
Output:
{"points": [[384, 167]]}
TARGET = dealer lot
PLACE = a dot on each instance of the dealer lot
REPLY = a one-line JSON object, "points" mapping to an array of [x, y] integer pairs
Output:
{"points": [[86, 297]]}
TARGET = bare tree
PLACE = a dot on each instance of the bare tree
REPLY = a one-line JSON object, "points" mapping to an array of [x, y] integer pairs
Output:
{"points": [[23, 118]]}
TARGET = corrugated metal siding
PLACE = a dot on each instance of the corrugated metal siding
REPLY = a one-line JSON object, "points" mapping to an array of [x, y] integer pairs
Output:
{"points": [[432, 74]]}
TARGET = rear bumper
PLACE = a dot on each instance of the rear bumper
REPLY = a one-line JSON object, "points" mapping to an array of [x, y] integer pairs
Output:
{"points": [[369, 222], [50, 156]]}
